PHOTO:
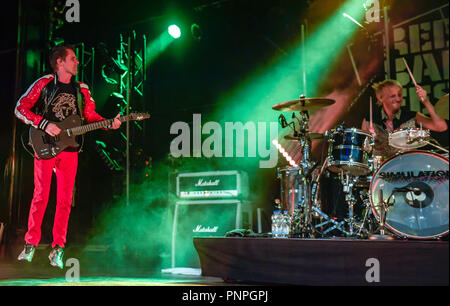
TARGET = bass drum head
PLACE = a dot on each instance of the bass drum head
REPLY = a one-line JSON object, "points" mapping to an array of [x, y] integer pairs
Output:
{"points": [[424, 213]]}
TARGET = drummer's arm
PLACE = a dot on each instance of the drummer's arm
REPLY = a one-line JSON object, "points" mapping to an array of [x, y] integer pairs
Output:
{"points": [[434, 122], [365, 126]]}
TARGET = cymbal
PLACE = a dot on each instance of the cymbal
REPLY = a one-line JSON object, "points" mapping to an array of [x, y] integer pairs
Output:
{"points": [[441, 107], [303, 104], [312, 136]]}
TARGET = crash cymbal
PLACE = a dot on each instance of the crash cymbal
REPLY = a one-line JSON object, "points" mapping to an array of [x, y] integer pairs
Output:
{"points": [[303, 104], [441, 107], [312, 136]]}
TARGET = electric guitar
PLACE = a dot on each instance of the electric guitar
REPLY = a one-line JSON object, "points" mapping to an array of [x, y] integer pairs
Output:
{"points": [[46, 146]]}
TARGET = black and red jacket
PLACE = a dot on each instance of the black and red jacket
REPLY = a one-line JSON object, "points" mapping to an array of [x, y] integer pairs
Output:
{"points": [[30, 108]]}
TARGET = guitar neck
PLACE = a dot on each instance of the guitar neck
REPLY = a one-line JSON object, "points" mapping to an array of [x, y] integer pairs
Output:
{"points": [[79, 130]]}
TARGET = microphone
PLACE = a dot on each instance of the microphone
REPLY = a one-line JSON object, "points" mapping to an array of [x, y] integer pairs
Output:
{"points": [[283, 121], [417, 191]]}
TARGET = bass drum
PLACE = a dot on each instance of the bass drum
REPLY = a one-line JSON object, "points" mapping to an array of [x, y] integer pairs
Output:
{"points": [[416, 185]]}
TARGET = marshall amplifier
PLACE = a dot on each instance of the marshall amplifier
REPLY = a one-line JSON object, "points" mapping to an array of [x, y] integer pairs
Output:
{"points": [[217, 184], [203, 218]]}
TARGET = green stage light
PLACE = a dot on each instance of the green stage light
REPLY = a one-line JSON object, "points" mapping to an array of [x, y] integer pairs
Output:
{"points": [[174, 31], [281, 79]]}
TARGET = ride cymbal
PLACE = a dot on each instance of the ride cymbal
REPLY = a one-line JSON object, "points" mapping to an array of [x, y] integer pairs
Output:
{"points": [[441, 107], [303, 104]]}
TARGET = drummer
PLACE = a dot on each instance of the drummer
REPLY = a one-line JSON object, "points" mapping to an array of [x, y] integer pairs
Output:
{"points": [[391, 116]]}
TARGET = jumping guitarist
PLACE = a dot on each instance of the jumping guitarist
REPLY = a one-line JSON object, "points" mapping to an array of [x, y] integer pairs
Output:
{"points": [[49, 100]]}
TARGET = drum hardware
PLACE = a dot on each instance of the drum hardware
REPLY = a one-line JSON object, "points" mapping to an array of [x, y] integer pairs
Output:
{"points": [[383, 206], [303, 214], [351, 201], [312, 136], [368, 217], [316, 184], [375, 162], [348, 183], [307, 167], [408, 138], [436, 145], [328, 220]]}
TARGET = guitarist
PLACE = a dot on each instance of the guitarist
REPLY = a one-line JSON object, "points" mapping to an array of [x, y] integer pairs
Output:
{"points": [[52, 98]]}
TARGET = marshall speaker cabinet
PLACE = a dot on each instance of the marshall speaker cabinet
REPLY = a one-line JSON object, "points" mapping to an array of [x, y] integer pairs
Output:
{"points": [[218, 185], [209, 204]]}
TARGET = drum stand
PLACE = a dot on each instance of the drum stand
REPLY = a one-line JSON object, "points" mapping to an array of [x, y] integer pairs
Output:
{"points": [[351, 201], [304, 224], [355, 228], [336, 225], [383, 212], [366, 219]]}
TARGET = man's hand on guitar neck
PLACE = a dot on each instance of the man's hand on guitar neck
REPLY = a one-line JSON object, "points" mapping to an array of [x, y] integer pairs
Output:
{"points": [[52, 129], [116, 123]]}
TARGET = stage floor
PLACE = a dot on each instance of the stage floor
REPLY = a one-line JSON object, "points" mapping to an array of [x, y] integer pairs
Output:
{"points": [[325, 262], [27, 274], [255, 261]]}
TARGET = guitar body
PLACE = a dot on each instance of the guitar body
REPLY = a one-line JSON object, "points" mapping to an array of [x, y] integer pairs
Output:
{"points": [[46, 146]]}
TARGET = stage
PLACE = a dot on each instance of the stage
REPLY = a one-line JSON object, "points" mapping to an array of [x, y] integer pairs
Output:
{"points": [[14, 273], [325, 262]]}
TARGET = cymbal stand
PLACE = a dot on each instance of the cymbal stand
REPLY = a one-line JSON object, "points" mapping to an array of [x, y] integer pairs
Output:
{"points": [[347, 183], [367, 226], [306, 174]]}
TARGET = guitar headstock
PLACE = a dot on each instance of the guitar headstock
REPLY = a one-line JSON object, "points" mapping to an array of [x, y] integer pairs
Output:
{"points": [[139, 116]]}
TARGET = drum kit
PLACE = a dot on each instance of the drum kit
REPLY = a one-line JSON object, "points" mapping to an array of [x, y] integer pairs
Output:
{"points": [[404, 195]]}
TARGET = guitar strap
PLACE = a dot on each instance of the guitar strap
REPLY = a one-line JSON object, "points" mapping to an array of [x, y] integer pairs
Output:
{"points": [[80, 100], [48, 98]]}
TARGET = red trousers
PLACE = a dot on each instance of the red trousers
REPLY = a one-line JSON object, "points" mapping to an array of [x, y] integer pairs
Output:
{"points": [[65, 166]]}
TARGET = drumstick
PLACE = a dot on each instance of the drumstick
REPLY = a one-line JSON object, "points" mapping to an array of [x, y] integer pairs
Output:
{"points": [[412, 77], [371, 121], [409, 71]]}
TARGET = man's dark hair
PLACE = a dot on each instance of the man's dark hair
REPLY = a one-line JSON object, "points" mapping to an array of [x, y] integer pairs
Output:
{"points": [[57, 52]]}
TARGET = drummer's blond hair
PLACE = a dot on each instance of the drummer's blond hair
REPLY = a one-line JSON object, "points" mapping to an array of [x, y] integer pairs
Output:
{"points": [[378, 87]]}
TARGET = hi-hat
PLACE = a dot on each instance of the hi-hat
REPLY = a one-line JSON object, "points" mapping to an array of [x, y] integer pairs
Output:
{"points": [[303, 104], [312, 136], [441, 107]]}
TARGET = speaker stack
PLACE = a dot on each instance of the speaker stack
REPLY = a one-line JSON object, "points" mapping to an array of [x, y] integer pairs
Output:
{"points": [[208, 204]]}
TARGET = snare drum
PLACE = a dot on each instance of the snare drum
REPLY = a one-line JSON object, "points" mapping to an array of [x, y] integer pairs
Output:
{"points": [[349, 151], [408, 138], [416, 185]]}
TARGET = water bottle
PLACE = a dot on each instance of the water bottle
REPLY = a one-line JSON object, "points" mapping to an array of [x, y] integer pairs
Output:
{"points": [[282, 225], [276, 224], [286, 224]]}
